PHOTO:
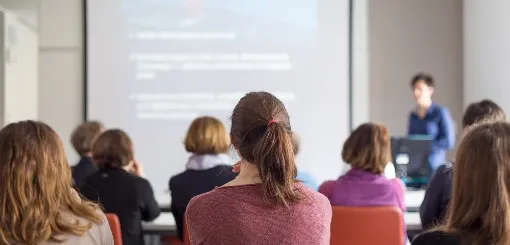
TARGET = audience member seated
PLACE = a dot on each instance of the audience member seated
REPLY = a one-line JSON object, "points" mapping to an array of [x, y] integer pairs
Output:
{"points": [[389, 171], [307, 179], [439, 192], [208, 167], [81, 139], [368, 151], [479, 211], [119, 185], [265, 204], [37, 202]]}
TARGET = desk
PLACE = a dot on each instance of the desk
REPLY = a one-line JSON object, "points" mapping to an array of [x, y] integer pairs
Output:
{"points": [[164, 201], [165, 224], [413, 199], [413, 221]]}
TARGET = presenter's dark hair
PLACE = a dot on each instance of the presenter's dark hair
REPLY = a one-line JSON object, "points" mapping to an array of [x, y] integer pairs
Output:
{"points": [[485, 110], [427, 78], [261, 132]]}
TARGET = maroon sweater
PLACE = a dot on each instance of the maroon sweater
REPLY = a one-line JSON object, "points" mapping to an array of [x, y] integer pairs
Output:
{"points": [[238, 215]]}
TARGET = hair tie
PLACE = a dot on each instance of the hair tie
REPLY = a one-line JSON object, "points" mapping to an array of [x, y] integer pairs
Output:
{"points": [[271, 122]]}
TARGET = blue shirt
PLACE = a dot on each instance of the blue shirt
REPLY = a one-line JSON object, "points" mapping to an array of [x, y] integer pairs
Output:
{"points": [[308, 180], [438, 125]]}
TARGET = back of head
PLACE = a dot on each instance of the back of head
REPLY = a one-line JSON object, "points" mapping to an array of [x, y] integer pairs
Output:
{"points": [[485, 110], [35, 187], [480, 208], [296, 142], [112, 149], [84, 135], [261, 133], [368, 148], [207, 135]]}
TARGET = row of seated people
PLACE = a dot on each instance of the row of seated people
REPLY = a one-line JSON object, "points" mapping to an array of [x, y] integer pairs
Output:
{"points": [[367, 150], [207, 168], [262, 204]]}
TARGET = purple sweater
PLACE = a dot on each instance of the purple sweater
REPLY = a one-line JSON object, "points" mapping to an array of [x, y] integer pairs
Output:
{"points": [[358, 188]]}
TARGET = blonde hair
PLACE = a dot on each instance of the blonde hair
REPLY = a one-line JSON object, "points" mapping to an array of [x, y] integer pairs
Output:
{"points": [[368, 148], [84, 135], [35, 187], [207, 135]]}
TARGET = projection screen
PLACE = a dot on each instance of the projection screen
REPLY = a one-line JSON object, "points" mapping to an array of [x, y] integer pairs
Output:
{"points": [[153, 66]]}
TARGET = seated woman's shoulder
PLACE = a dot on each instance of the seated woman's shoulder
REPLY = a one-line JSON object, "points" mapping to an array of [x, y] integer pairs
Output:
{"points": [[436, 238], [97, 234], [203, 199], [315, 197]]}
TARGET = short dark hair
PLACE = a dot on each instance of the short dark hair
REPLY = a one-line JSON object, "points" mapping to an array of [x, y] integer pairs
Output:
{"points": [[427, 78], [112, 149], [485, 110]]}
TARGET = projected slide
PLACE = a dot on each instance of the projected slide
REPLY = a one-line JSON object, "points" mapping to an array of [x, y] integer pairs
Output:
{"points": [[155, 65]]}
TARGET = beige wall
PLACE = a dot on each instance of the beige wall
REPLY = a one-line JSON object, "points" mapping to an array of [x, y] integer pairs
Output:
{"points": [[61, 67], [406, 37], [360, 60], [486, 51]]}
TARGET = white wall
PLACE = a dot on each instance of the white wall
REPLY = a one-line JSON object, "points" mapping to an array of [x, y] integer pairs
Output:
{"points": [[61, 67], [406, 37], [20, 70], [18, 60], [487, 51]]}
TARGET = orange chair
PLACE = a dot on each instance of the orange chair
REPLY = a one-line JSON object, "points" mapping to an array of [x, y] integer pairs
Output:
{"points": [[366, 226], [114, 222], [174, 240], [171, 240]]}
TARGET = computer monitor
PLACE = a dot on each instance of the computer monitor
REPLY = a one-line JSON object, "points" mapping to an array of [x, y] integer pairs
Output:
{"points": [[410, 157]]}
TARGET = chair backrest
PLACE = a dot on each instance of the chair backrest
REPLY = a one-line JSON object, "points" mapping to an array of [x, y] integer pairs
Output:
{"points": [[366, 226], [185, 234], [114, 222]]}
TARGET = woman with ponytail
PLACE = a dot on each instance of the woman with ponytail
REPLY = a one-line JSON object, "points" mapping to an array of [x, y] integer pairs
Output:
{"points": [[265, 204]]}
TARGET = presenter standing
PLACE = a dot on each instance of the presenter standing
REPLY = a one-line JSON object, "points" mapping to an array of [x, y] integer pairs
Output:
{"points": [[431, 120]]}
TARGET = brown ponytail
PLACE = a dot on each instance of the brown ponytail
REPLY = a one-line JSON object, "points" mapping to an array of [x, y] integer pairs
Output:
{"points": [[262, 134]]}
